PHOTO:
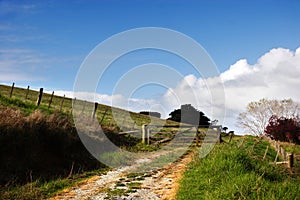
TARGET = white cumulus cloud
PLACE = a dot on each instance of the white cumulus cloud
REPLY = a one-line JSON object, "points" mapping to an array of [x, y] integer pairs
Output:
{"points": [[274, 76]]}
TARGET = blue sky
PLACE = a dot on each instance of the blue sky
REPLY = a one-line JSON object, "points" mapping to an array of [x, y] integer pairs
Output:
{"points": [[43, 43]]}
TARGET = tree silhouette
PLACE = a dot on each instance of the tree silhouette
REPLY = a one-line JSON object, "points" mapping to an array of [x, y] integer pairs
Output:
{"points": [[190, 115], [225, 128]]}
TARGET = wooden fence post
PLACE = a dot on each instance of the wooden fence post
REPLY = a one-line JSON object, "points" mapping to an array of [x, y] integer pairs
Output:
{"points": [[62, 103], [27, 91], [230, 136], [266, 151], [197, 137], [40, 97], [12, 89], [144, 127], [74, 102], [50, 101], [290, 160], [95, 110]]}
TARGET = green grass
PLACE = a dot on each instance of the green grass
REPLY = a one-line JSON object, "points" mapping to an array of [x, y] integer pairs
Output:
{"points": [[117, 158], [229, 172], [113, 117], [141, 147], [25, 107], [293, 148], [33, 138], [41, 189], [20, 93]]}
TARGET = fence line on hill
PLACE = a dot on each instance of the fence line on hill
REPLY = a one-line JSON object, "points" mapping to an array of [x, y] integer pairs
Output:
{"points": [[143, 129], [40, 97], [287, 157]]}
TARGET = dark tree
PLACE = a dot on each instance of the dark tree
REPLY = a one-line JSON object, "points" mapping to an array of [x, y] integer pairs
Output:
{"points": [[154, 114], [284, 129], [225, 128], [190, 115]]}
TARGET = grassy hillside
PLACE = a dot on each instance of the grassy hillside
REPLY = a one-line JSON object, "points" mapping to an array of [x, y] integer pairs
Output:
{"points": [[40, 151], [28, 105], [232, 171]]}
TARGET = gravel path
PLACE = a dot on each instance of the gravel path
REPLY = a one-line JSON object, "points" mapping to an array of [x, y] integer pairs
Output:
{"points": [[120, 184]]}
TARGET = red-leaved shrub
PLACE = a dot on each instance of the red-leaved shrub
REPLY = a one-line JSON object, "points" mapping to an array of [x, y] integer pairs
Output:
{"points": [[284, 129]]}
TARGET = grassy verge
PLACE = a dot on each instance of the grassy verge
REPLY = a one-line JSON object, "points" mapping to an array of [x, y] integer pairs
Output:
{"points": [[38, 152], [230, 172], [45, 189]]}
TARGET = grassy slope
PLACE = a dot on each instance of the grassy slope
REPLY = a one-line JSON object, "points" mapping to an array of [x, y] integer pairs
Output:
{"points": [[112, 119], [229, 172], [37, 154], [39, 187], [28, 106]]}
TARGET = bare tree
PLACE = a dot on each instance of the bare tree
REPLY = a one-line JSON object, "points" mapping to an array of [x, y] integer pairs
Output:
{"points": [[256, 117]]}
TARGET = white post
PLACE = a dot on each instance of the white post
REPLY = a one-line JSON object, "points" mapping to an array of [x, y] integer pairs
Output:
{"points": [[144, 127]]}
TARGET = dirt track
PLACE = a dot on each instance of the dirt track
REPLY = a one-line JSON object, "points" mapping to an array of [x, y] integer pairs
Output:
{"points": [[119, 184]]}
